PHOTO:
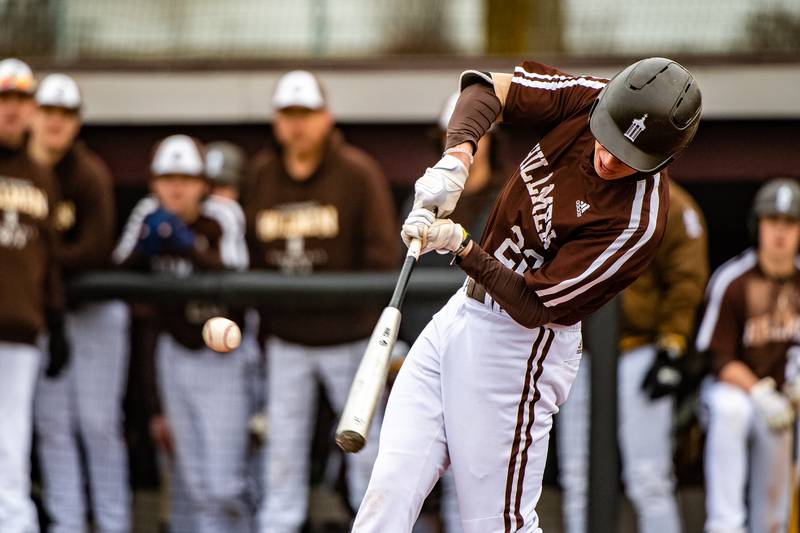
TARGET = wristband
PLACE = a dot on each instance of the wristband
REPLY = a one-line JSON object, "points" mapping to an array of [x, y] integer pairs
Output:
{"points": [[464, 242], [460, 151]]}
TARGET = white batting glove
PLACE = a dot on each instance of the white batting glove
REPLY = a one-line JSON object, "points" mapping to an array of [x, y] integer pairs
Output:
{"points": [[416, 226], [772, 405], [440, 187], [445, 236]]}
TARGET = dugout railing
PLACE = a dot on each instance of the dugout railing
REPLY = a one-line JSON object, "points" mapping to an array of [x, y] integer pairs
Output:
{"points": [[331, 291]]}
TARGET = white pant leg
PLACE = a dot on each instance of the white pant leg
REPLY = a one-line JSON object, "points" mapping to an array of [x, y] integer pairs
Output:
{"points": [[291, 408], [337, 366], [412, 452], [573, 450], [55, 417], [451, 518], [185, 480], [770, 478], [645, 441], [208, 411], [100, 347], [730, 415], [502, 384], [19, 366]]}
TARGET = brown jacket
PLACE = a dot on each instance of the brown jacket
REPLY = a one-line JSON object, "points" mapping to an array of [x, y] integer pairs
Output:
{"points": [[85, 213], [663, 302], [28, 274], [340, 219]]}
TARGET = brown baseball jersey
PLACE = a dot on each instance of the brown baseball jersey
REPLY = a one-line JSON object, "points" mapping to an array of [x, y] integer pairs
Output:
{"points": [[216, 232], [561, 241], [28, 275], [663, 301], [84, 214], [339, 219], [750, 317]]}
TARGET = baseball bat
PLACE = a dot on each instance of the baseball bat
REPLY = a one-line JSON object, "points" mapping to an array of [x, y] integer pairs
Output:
{"points": [[370, 378]]}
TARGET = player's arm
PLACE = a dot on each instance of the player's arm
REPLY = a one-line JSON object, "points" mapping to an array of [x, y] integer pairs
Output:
{"points": [[233, 253], [96, 231], [682, 266], [378, 222]]}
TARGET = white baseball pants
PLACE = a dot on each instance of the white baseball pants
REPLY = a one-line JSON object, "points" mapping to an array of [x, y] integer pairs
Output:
{"points": [[207, 406], [19, 365], [738, 438], [645, 442], [477, 392], [293, 371], [85, 403]]}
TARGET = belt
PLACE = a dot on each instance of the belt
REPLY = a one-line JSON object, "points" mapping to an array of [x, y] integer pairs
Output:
{"points": [[475, 291]]}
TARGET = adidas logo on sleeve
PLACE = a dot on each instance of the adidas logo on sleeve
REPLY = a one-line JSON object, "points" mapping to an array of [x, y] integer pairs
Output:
{"points": [[581, 207]]}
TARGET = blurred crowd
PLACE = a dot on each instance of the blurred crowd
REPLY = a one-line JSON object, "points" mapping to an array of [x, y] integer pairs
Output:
{"points": [[234, 431]]}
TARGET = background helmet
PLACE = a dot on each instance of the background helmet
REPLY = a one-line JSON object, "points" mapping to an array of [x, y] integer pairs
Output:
{"points": [[647, 114]]}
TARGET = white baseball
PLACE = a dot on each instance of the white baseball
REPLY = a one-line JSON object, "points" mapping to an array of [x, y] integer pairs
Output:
{"points": [[221, 335]]}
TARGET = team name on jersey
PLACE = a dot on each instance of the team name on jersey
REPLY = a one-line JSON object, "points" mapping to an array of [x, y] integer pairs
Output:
{"points": [[771, 328], [306, 220], [23, 197], [541, 194]]}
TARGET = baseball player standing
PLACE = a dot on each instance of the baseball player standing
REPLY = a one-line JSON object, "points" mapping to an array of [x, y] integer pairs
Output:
{"points": [[203, 430], [751, 331], [83, 406], [316, 204], [30, 288], [657, 319], [578, 221]]}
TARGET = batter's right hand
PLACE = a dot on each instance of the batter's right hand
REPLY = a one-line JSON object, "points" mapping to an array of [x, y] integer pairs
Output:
{"points": [[440, 187], [772, 405]]}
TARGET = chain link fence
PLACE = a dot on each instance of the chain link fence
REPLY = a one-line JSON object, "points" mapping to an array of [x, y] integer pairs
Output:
{"points": [[70, 32]]}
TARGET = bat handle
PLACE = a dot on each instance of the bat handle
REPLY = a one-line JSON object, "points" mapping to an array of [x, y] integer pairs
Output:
{"points": [[414, 249]]}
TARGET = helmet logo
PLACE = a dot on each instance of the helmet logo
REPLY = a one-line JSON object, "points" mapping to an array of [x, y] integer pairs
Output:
{"points": [[784, 199], [637, 126]]}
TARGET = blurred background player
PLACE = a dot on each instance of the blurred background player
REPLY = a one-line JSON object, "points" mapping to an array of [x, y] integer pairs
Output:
{"points": [[225, 166], [657, 319], [81, 408], [314, 204], [181, 230], [750, 330], [30, 292]]}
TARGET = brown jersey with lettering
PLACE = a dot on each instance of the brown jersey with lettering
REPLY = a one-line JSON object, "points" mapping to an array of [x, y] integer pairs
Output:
{"points": [[339, 219], [28, 275], [750, 317], [575, 238]]}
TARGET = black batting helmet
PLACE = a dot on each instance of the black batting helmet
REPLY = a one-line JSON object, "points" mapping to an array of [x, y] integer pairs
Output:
{"points": [[777, 197], [647, 114]]}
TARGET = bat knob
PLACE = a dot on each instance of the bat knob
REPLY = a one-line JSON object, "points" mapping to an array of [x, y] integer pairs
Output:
{"points": [[350, 441]]}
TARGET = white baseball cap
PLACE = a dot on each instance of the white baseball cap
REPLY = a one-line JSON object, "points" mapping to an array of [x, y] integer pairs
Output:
{"points": [[298, 88], [16, 76], [447, 111], [59, 90], [178, 154]]}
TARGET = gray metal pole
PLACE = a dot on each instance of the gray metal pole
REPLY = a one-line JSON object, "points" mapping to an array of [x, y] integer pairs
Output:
{"points": [[602, 336]]}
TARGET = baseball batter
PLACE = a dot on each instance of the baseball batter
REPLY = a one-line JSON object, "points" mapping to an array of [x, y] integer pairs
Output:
{"points": [[750, 330], [579, 220], [83, 406], [203, 430], [657, 318]]}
